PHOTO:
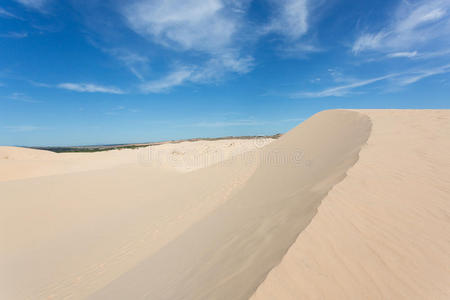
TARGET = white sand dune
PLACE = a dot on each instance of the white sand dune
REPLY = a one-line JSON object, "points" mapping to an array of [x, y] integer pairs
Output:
{"points": [[301, 218], [19, 163], [384, 231]]}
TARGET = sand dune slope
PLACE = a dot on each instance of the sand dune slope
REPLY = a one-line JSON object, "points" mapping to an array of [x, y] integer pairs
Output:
{"points": [[227, 254], [66, 236], [384, 231]]}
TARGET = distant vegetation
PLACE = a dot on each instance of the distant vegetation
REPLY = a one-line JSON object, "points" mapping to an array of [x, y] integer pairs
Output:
{"points": [[99, 148]]}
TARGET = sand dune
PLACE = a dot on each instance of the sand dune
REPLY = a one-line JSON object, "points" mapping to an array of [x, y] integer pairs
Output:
{"points": [[348, 205], [384, 231], [19, 163]]}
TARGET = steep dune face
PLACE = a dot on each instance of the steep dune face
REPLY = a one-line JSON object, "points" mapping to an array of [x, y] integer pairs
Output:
{"points": [[228, 253], [383, 232]]}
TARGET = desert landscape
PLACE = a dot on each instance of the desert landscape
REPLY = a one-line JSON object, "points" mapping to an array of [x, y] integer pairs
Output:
{"points": [[350, 204], [224, 150]]}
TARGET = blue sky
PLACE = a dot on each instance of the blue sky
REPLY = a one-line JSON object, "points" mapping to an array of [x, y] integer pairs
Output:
{"points": [[109, 71]]}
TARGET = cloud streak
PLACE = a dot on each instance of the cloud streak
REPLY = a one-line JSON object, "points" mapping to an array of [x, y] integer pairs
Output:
{"points": [[90, 88], [14, 35], [22, 128], [164, 84], [34, 4], [343, 89], [420, 24], [402, 54], [402, 79], [22, 98], [413, 77], [6, 14], [134, 62]]}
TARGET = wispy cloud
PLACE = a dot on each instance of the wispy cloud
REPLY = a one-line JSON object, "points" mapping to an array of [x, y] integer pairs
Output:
{"points": [[14, 35], [401, 79], [22, 98], [164, 84], [90, 88], [22, 128], [301, 49], [121, 109], [136, 63], [212, 71], [203, 41], [34, 4], [421, 24], [290, 18], [341, 90], [210, 28], [6, 14], [402, 54], [39, 84], [414, 76]]}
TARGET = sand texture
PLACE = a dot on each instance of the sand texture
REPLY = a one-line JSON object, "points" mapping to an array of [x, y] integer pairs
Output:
{"points": [[384, 231], [348, 205]]}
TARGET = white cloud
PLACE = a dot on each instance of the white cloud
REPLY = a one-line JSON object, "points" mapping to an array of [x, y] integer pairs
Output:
{"points": [[212, 36], [299, 49], [6, 14], [14, 35], [208, 31], [401, 78], [21, 97], [343, 89], [22, 128], [215, 68], [39, 84], [413, 77], [290, 18], [137, 64], [204, 25], [90, 88], [402, 54], [419, 24], [164, 84], [293, 21], [34, 4], [212, 71]]}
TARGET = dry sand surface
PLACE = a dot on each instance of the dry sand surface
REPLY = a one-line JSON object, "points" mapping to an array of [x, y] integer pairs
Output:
{"points": [[348, 205], [384, 231], [20, 163]]}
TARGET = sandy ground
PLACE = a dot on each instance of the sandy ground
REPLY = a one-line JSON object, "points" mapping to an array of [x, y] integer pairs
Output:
{"points": [[348, 205], [19, 163], [384, 231]]}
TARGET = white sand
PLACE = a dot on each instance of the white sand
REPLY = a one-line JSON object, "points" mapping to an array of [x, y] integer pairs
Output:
{"points": [[20, 163], [383, 232], [128, 224]]}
